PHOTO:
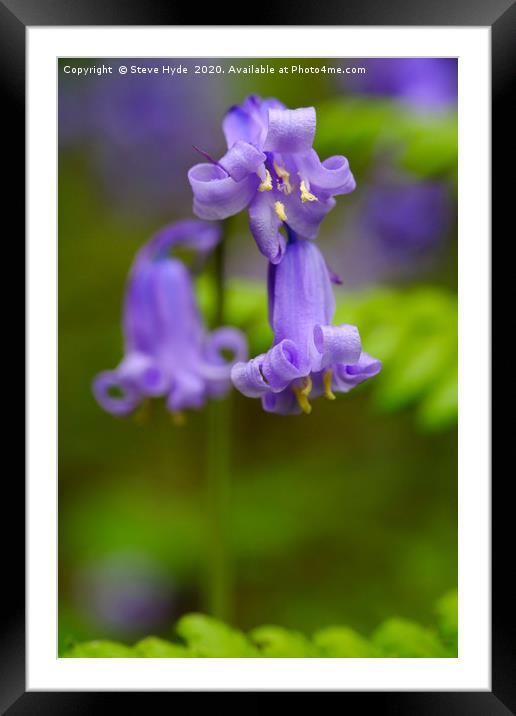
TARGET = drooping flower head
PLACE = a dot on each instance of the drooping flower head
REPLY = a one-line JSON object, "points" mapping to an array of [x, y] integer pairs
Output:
{"points": [[309, 356], [271, 169], [168, 351]]}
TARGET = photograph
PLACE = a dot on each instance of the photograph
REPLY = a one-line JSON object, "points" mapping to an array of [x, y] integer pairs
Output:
{"points": [[257, 357]]}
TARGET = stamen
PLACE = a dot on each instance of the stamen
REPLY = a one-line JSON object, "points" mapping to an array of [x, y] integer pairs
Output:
{"points": [[302, 392], [327, 378], [305, 194], [178, 419], [143, 414], [284, 176], [266, 184], [280, 210]]}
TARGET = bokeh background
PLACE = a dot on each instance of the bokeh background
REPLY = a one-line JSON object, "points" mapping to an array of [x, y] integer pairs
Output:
{"points": [[346, 516]]}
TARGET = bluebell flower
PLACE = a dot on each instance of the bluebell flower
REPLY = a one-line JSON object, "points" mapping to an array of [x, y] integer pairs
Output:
{"points": [[168, 351], [309, 356], [271, 169]]}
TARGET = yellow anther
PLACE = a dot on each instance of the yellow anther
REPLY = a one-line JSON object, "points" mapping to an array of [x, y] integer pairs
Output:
{"points": [[327, 378], [285, 178], [280, 211], [143, 414], [178, 419], [302, 392], [305, 194], [266, 184]]}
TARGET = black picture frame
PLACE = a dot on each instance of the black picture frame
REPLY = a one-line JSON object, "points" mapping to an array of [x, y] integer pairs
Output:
{"points": [[15, 17]]}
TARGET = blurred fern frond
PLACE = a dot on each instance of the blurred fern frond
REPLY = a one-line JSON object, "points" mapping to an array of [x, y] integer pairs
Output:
{"points": [[201, 636]]}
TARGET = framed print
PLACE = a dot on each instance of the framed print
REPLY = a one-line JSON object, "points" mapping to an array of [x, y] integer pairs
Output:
{"points": [[258, 365]]}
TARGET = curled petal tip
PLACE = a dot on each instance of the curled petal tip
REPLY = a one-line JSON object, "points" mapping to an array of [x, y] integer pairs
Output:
{"points": [[337, 344], [216, 194], [248, 378], [290, 130], [113, 396]]}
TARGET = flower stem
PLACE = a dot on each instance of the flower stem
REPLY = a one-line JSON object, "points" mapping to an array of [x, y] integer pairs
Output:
{"points": [[218, 482], [218, 487]]}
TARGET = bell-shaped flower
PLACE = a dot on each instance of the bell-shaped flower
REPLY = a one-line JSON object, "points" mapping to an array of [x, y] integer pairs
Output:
{"points": [[168, 351], [271, 169], [309, 356]]}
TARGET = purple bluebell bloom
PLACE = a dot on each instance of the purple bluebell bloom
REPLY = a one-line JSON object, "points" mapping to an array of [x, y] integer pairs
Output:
{"points": [[406, 219], [271, 169], [425, 83], [168, 351], [309, 356]]}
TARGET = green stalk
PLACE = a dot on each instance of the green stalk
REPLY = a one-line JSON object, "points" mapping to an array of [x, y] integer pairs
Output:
{"points": [[218, 484]]}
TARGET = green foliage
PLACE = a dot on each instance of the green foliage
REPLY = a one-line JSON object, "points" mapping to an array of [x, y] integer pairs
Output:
{"points": [[277, 642], [431, 145], [414, 333], [154, 648], [101, 650], [206, 637], [403, 638], [356, 124], [423, 143], [209, 637], [344, 642], [447, 609]]}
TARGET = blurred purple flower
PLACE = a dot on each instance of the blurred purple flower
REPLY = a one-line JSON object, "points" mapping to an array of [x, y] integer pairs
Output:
{"points": [[168, 351], [137, 131], [422, 82], [309, 356], [271, 169], [406, 219], [127, 594]]}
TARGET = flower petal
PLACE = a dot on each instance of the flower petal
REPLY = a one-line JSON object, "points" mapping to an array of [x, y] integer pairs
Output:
{"points": [[347, 376], [217, 195], [242, 159], [248, 378], [139, 320], [332, 176], [290, 130], [265, 227], [337, 344], [122, 404], [300, 297], [188, 391], [142, 372], [214, 367], [199, 235], [240, 124], [306, 218], [227, 338], [178, 330], [248, 121], [283, 403], [281, 365]]}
